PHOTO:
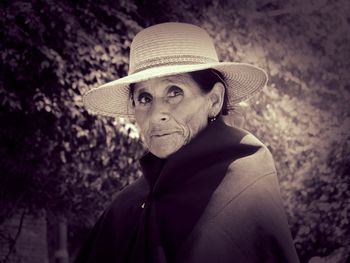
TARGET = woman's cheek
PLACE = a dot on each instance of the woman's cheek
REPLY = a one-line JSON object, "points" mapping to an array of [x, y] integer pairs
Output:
{"points": [[142, 122], [193, 123]]}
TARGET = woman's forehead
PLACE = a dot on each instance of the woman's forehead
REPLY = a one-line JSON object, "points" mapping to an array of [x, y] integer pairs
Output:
{"points": [[184, 79]]}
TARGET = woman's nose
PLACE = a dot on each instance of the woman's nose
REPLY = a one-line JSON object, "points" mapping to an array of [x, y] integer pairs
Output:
{"points": [[160, 111]]}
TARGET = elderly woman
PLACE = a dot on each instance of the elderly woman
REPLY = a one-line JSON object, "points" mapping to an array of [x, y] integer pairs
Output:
{"points": [[209, 192]]}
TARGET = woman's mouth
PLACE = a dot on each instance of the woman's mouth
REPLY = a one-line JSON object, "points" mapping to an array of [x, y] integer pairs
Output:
{"points": [[162, 134]]}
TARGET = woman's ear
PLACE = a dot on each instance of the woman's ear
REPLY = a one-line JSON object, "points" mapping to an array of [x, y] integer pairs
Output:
{"points": [[216, 97]]}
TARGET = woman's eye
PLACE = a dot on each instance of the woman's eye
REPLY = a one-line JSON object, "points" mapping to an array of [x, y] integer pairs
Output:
{"points": [[144, 98], [174, 91]]}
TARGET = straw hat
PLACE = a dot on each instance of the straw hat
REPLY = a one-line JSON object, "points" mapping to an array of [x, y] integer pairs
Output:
{"points": [[170, 49]]}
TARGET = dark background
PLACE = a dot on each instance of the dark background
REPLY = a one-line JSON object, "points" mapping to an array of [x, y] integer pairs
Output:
{"points": [[63, 164]]}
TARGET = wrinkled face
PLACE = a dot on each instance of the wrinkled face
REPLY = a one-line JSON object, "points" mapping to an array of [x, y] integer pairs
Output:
{"points": [[170, 111]]}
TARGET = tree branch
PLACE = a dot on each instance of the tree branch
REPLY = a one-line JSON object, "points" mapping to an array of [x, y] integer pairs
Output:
{"points": [[14, 240]]}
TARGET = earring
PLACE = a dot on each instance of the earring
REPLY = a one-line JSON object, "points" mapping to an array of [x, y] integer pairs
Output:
{"points": [[212, 119]]}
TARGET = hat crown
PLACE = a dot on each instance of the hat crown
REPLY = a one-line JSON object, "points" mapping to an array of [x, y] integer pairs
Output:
{"points": [[171, 44]]}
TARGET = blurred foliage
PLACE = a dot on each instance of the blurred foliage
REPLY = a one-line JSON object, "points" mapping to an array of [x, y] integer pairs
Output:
{"points": [[56, 156]]}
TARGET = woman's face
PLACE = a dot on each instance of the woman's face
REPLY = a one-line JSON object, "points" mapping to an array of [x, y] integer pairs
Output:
{"points": [[170, 111]]}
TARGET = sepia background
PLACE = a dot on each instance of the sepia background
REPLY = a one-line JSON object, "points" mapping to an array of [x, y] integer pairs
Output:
{"points": [[61, 166]]}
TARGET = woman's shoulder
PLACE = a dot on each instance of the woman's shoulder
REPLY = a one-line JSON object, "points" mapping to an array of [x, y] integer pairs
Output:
{"points": [[254, 168], [260, 158], [257, 158]]}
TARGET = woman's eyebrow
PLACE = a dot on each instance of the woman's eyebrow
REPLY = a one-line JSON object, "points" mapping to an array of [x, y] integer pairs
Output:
{"points": [[139, 89]]}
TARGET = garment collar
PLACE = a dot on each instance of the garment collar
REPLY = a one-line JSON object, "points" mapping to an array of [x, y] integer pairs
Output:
{"points": [[215, 142]]}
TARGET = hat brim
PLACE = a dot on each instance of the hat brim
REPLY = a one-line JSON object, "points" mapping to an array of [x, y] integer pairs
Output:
{"points": [[113, 99]]}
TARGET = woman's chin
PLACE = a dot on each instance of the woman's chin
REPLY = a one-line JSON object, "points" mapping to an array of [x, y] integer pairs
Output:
{"points": [[164, 146], [164, 150]]}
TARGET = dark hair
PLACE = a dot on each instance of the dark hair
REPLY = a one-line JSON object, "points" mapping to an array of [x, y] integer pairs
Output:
{"points": [[131, 93], [205, 79]]}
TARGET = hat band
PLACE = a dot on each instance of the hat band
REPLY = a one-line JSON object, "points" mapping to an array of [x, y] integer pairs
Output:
{"points": [[171, 60]]}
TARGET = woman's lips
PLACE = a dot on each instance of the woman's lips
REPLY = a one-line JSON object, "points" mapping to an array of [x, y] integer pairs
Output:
{"points": [[161, 135]]}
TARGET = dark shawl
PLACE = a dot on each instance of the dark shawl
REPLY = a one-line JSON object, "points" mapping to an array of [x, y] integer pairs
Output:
{"points": [[154, 219]]}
